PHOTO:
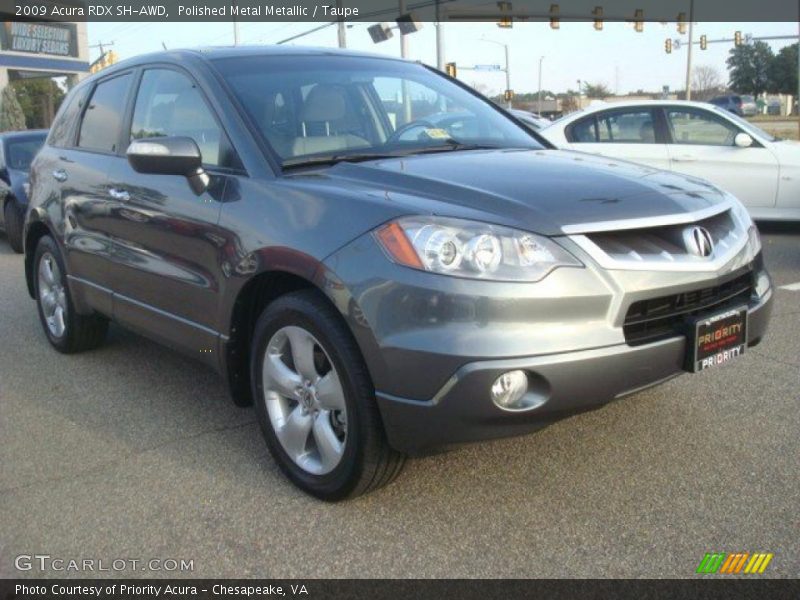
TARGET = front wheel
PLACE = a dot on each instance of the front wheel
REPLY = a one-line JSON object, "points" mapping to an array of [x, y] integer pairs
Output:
{"points": [[315, 401], [66, 330]]}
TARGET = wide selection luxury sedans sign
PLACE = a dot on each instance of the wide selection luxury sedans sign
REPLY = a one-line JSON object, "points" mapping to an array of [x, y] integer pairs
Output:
{"points": [[57, 39]]}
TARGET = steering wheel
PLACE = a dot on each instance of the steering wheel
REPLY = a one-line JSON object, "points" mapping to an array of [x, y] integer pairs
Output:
{"points": [[395, 137]]}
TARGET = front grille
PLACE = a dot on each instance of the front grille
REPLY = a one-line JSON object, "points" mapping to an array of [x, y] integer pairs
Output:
{"points": [[664, 246], [658, 318]]}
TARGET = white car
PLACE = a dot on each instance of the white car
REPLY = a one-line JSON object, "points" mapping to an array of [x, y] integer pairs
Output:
{"points": [[696, 139]]}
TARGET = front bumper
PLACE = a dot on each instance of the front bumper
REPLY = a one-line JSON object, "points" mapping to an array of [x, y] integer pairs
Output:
{"points": [[434, 345], [563, 384]]}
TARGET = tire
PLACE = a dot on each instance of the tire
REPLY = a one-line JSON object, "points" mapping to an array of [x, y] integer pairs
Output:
{"points": [[67, 331], [357, 457], [13, 225]]}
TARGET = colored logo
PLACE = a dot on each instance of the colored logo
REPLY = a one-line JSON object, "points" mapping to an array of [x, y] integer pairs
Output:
{"points": [[733, 563]]}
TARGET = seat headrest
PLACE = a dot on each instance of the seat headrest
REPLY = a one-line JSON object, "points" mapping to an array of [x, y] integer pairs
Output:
{"points": [[324, 103]]}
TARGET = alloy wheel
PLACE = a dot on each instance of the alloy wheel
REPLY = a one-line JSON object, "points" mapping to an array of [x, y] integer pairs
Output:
{"points": [[305, 400], [52, 295]]}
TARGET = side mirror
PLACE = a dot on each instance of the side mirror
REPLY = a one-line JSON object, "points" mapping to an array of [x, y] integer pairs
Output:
{"points": [[743, 140], [169, 156]]}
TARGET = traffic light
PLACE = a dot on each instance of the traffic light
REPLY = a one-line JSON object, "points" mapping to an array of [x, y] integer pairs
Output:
{"points": [[106, 60], [682, 23], [598, 18], [508, 95], [703, 42], [668, 46], [505, 22], [450, 69], [638, 20], [737, 39], [555, 22]]}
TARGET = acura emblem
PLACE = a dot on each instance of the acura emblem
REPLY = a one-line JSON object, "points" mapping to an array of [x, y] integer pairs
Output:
{"points": [[698, 241]]}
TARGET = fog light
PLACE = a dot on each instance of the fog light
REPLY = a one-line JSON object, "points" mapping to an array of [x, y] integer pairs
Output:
{"points": [[509, 388]]}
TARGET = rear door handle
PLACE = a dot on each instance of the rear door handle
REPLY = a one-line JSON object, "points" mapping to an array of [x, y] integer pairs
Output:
{"points": [[60, 175], [118, 194], [684, 158]]}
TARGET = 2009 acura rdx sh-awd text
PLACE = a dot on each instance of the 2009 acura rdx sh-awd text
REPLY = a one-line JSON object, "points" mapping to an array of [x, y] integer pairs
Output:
{"points": [[375, 284]]}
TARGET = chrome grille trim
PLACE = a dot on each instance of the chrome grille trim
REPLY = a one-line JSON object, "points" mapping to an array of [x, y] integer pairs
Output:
{"points": [[647, 222], [659, 248]]}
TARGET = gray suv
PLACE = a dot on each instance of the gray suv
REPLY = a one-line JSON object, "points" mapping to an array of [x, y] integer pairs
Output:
{"points": [[375, 283]]}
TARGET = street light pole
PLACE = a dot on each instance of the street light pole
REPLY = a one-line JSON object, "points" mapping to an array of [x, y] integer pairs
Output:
{"points": [[439, 37], [541, 58], [508, 76], [340, 28], [689, 52], [508, 66]]}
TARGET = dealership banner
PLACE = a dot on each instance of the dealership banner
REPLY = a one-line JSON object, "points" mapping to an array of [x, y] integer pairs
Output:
{"points": [[392, 589], [58, 39], [633, 11]]}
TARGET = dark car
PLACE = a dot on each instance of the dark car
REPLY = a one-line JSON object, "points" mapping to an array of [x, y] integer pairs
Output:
{"points": [[17, 149], [376, 284], [743, 106]]}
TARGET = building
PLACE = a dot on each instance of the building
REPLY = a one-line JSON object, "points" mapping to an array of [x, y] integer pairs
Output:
{"points": [[43, 49]]}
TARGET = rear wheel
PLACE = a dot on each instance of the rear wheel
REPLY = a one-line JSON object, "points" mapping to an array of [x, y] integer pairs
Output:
{"points": [[66, 330], [315, 401], [13, 225]]}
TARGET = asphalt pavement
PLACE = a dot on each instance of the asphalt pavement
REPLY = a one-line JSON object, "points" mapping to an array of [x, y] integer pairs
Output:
{"points": [[134, 452]]}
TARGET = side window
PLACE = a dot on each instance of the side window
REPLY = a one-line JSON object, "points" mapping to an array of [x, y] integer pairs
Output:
{"points": [[102, 119], [169, 104], [61, 131], [583, 131], [696, 127], [632, 127]]}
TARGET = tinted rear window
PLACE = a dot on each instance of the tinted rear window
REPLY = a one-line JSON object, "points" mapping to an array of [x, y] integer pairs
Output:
{"points": [[63, 126], [100, 129]]}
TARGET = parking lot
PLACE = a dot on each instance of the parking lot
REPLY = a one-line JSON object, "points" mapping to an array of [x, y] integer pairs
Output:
{"points": [[133, 451]]}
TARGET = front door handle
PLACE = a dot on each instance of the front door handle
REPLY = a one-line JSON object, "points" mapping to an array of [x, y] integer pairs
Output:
{"points": [[684, 158], [60, 175], [118, 194]]}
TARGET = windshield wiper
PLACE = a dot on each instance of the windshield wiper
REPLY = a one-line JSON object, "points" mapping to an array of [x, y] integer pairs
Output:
{"points": [[332, 159], [448, 145]]}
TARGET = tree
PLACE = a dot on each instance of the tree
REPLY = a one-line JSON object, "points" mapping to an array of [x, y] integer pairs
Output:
{"points": [[748, 68], [706, 82], [12, 118], [40, 99], [597, 90], [783, 71]]}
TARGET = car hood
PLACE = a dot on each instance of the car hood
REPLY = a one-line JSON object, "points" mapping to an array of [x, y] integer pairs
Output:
{"points": [[544, 191]]}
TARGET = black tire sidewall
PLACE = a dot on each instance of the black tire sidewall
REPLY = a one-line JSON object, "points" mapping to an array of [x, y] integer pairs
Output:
{"points": [[338, 483], [13, 225], [48, 245]]}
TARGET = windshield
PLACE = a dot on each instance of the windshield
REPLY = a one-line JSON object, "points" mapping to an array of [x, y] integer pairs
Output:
{"points": [[748, 126], [20, 152], [328, 108]]}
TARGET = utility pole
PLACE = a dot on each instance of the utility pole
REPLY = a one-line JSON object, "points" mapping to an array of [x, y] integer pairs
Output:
{"points": [[403, 38], [539, 97], [235, 27], [439, 37], [340, 28], [689, 52]]}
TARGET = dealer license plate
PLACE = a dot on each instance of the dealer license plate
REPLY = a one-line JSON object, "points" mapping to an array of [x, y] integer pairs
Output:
{"points": [[718, 339]]}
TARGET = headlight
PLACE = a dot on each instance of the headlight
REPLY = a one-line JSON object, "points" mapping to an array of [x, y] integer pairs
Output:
{"points": [[471, 249], [26, 187], [746, 223]]}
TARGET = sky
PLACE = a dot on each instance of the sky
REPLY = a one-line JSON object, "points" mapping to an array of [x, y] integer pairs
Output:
{"points": [[617, 56]]}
